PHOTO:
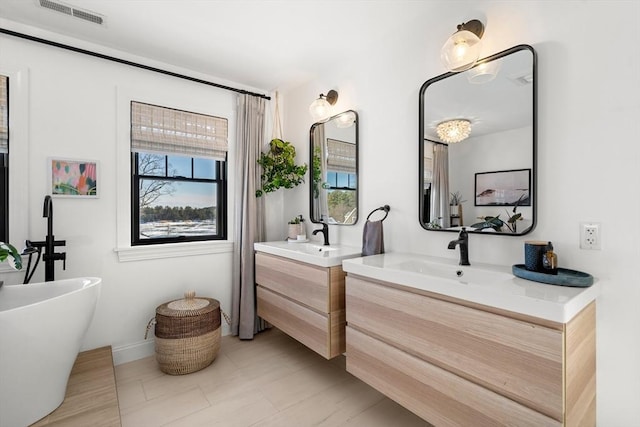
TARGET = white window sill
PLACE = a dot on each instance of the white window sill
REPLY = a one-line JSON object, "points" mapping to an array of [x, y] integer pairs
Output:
{"points": [[172, 250]]}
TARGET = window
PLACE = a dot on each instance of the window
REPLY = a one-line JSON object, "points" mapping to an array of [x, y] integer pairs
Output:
{"points": [[4, 158], [178, 186], [341, 181]]}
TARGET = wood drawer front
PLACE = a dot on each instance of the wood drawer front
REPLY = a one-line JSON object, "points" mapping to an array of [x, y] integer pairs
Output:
{"points": [[301, 282], [517, 359], [305, 325], [581, 369], [438, 396]]}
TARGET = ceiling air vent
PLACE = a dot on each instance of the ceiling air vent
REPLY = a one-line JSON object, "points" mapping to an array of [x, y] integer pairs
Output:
{"points": [[72, 11]]}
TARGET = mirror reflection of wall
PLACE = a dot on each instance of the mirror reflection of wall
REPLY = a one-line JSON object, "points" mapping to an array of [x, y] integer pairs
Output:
{"points": [[500, 109], [334, 160]]}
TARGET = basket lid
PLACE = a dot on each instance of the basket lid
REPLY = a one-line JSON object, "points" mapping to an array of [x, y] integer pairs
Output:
{"points": [[188, 306]]}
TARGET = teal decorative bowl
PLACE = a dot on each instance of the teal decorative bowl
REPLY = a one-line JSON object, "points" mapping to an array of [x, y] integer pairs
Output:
{"points": [[565, 277]]}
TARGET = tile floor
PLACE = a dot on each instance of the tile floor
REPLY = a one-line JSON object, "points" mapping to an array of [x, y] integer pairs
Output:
{"points": [[271, 380]]}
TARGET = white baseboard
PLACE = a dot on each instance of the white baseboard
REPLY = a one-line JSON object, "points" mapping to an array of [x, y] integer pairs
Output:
{"points": [[141, 349], [135, 351]]}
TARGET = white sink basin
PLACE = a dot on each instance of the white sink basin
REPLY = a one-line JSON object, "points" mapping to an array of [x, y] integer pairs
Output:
{"points": [[312, 248], [490, 285], [311, 253], [459, 273]]}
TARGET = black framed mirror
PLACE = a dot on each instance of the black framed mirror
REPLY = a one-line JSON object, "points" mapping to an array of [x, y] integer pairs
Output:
{"points": [[478, 138], [333, 190]]}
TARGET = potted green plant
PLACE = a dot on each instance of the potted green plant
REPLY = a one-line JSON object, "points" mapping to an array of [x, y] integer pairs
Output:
{"points": [[294, 228], [456, 204], [512, 222], [496, 223], [456, 199], [10, 254], [278, 167], [435, 224]]}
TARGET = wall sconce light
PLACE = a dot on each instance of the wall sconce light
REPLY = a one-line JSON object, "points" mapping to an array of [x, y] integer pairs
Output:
{"points": [[346, 119], [462, 49], [452, 131], [320, 109]]}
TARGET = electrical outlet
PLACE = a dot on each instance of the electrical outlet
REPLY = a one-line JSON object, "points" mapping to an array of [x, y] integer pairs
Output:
{"points": [[590, 235]]}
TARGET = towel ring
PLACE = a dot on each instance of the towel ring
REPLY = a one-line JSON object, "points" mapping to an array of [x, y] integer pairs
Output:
{"points": [[384, 208]]}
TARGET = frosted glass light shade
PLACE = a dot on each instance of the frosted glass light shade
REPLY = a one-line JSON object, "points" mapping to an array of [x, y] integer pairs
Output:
{"points": [[320, 110], [483, 73], [452, 131], [461, 51], [345, 119]]}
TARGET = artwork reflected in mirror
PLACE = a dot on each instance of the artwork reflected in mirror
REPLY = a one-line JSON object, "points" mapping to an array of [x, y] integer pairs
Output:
{"points": [[478, 145], [334, 170]]}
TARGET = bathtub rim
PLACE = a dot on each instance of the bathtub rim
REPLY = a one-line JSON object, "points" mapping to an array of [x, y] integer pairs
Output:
{"points": [[87, 282]]}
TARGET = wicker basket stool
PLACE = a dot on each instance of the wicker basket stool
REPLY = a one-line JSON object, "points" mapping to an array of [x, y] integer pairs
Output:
{"points": [[187, 334]]}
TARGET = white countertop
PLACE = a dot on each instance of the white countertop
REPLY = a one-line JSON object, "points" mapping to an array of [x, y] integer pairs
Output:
{"points": [[309, 252], [486, 284]]}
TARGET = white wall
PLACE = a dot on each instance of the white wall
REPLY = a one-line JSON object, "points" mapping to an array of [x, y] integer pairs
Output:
{"points": [[589, 104], [77, 107], [486, 153]]}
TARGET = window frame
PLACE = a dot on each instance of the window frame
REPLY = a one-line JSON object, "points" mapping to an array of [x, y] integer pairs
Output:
{"points": [[220, 181]]}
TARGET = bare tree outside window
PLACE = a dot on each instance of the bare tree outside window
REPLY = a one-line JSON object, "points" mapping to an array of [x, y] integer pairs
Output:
{"points": [[151, 190]]}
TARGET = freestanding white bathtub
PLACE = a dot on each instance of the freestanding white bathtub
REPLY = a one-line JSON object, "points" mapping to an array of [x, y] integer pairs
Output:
{"points": [[42, 326]]}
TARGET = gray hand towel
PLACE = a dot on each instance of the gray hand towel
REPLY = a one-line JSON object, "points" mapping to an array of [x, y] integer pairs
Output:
{"points": [[372, 238]]}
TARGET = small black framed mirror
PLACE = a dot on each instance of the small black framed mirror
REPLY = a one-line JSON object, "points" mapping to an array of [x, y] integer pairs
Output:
{"points": [[333, 190]]}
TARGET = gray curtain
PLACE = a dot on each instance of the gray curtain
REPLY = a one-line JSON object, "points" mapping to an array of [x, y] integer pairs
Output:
{"points": [[440, 186], [323, 202], [249, 215]]}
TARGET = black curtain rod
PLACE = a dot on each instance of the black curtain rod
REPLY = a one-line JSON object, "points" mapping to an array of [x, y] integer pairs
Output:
{"points": [[125, 62]]}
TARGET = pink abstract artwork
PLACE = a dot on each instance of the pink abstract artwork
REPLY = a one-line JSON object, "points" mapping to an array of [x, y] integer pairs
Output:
{"points": [[74, 178]]}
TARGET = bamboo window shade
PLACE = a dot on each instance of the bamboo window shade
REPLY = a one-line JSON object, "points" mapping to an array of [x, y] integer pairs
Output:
{"points": [[4, 114], [341, 157], [170, 131]]}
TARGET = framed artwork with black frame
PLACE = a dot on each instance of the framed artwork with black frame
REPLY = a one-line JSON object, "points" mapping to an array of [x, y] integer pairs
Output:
{"points": [[503, 188]]}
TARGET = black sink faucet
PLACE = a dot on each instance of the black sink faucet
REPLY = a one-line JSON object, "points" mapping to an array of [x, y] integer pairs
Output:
{"points": [[325, 232], [50, 256], [463, 241]]}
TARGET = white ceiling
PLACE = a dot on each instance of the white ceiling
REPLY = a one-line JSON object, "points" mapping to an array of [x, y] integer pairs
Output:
{"points": [[263, 44], [502, 104]]}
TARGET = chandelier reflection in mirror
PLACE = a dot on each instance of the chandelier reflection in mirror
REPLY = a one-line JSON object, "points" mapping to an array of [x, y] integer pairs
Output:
{"points": [[452, 131]]}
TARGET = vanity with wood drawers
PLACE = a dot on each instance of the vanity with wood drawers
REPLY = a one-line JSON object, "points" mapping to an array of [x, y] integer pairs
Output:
{"points": [[455, 345], [469, 351], [300, 290]]}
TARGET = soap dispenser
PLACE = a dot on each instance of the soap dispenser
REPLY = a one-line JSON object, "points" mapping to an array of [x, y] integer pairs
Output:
{"points": [[302, 229], [550, 260]]}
